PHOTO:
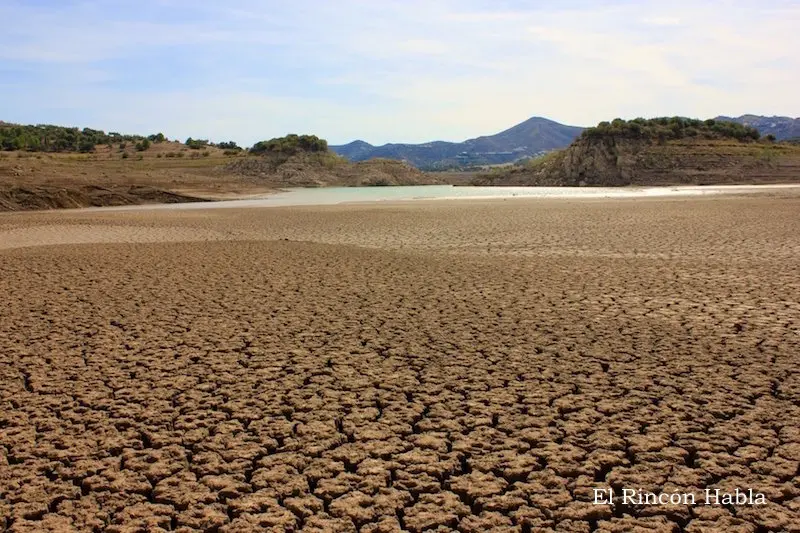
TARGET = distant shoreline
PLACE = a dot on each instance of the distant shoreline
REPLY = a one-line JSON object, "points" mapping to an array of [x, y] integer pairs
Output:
{"points": [[349, 196]]}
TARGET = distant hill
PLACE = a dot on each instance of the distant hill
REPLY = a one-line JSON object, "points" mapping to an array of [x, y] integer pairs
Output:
{"points": [[534, 136], [781, 127], [661, 151], [306, 161]]}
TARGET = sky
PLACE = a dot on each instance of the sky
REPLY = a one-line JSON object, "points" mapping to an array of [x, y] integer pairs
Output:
{"points": [[390, 71]]}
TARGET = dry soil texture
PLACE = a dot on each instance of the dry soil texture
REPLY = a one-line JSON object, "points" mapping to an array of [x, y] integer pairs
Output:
{"points": [[444, 366]]}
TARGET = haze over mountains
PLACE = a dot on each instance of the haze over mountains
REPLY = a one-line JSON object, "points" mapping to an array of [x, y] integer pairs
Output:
{"points": [[534, 136], [781, 127]]}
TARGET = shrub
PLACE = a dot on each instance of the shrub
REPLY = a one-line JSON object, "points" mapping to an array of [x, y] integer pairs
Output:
{"points": [[86, 145], [125, 155], [196, 144], [291, 144], [230, 145], [206, 153]]}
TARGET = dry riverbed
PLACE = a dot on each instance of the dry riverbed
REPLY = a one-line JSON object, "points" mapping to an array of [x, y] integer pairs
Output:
{"points": [[448, 366]]}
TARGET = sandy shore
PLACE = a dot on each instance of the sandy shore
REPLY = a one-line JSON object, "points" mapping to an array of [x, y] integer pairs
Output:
{"points": [[446, 366]]}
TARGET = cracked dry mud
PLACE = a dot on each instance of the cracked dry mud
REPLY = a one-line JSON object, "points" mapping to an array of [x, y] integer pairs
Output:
{"points": [[449, 366]]}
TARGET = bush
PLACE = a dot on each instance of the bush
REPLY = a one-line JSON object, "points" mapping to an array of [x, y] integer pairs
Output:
{"points": [[196, 144], [86, 146], [291, 144], [230, 145], [125, 155]]}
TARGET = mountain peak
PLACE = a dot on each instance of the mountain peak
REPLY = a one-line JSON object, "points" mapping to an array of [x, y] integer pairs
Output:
{"points": [[533, 136]]}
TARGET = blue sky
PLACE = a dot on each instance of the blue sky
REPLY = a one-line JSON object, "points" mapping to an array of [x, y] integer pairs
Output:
{"points": [[389, 71]]}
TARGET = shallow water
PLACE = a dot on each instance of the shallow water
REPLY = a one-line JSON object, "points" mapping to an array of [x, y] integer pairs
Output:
{"points": [[345, 195]]}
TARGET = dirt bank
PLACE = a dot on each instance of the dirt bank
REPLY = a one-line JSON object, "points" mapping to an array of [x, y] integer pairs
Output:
{"points": [[15, 198]]}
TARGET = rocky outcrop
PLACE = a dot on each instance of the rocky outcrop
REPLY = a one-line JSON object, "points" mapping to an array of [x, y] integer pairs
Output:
{"points": [[617, 161]]}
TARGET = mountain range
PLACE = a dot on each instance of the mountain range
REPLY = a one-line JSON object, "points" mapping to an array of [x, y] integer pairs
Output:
{"points": [[782, 128], [532, 137]]}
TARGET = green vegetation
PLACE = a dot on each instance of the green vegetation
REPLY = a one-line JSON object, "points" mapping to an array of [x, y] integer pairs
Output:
{"points": [[230, 145], [668, 128], [49, 138], [196, 144], [290, 144]]}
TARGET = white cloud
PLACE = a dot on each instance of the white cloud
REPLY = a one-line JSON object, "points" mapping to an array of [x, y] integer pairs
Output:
{"points": [[662, 21], [408, 71]]}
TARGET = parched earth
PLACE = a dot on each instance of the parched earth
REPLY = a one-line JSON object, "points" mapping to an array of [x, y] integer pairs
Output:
{"points": [[443, 366]]}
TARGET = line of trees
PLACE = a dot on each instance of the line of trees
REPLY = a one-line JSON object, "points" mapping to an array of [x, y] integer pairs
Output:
{"points": [[49, 138], [666, 128]]}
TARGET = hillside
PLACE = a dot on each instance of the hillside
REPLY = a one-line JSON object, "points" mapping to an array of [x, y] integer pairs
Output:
{"points": [[306, 161], [324, 170], [783, 128], [664, 151], [534, 136], [126, 173]]}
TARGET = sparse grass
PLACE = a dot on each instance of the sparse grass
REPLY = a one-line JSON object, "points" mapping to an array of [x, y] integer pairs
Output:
{"points": [[329, 160], [543, 160]]}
